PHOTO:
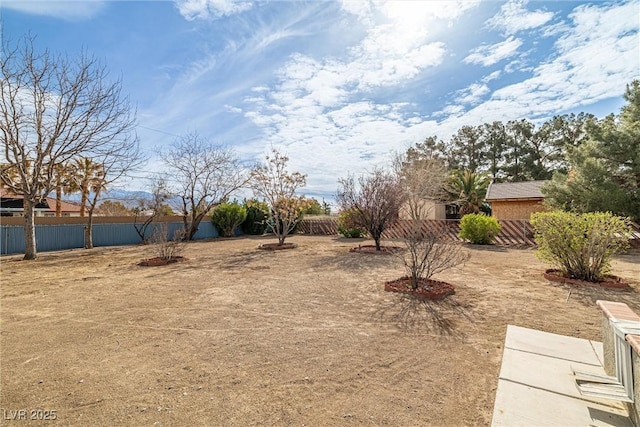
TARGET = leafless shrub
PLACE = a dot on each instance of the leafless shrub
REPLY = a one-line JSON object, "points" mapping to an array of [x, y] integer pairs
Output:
{"points": [[428, 253], [165, 248], [150, 208]]}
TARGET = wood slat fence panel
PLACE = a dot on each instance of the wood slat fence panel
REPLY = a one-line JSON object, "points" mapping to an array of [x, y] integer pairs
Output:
{"points": [[513, 232], [319, 227]]}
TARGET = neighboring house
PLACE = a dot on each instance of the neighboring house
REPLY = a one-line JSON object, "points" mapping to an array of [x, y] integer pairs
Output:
{"points": [[433, 209], [515, 200], [12, 205]]}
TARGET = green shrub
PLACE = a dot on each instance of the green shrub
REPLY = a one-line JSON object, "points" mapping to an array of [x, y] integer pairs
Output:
{"points": [[227, 217], [313, 207], [581, 245], [257, 214], [348, 225], [479, 229]]}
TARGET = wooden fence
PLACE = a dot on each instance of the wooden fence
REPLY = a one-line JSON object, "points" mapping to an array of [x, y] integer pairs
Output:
{"points": [[514, 232]]}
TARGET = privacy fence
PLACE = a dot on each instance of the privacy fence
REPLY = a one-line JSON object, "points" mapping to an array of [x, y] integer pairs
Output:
{"points": [[514, 232], [54, 234]]}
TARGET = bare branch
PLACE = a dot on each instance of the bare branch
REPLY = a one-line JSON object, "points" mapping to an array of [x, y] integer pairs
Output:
{"points": [[53, 110], [376, 200], [205, 175]]}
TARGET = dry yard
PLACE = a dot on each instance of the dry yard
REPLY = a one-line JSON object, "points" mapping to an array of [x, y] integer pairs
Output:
{"points": [[238, 337]]}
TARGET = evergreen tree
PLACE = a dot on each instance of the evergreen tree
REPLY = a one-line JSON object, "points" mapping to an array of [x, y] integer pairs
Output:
{"points": [[604, 172]]}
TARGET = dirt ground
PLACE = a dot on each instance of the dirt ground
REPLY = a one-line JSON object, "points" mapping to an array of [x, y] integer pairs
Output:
{"points": [[236, 336]]}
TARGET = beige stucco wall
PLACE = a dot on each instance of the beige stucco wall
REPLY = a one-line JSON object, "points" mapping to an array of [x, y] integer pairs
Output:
{"points": [[516, 209], [431, 209], [608, 347]]}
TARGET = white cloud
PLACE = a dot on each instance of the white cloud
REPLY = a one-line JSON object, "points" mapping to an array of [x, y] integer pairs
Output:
{"points": [[472, 94], [346, 108], [492, 76], [593, 60], [210, 9], [514, 17], [73, 10], [321, 108], [487, 55]]}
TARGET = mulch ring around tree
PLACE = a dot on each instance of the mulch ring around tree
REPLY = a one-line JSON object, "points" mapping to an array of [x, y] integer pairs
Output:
{"points": [[371, 249], [609, 281], [277, 247], [427, 288], [157, 261]]}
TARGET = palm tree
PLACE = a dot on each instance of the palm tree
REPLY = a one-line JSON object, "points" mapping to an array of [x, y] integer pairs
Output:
{"points": [[468, 189], [64, 182], [88, 176]]}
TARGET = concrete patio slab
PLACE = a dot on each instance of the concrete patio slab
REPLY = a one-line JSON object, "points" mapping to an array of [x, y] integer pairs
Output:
{"points": [[557, 346], [536, 371], [521, 405], [537, 387]]}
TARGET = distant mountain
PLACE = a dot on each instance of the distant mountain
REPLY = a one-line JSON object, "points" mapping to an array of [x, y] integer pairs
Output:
{"points": [[128, 198]]}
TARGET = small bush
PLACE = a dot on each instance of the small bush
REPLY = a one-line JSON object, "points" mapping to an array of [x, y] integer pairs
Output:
{"points": [[429, 253], [164, 248], [479, 229], [581, 245], [348, 225], [227, 217], [257, 214]]}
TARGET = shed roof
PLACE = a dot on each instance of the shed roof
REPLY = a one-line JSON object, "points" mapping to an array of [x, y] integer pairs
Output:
{"points": [[515, 190]]}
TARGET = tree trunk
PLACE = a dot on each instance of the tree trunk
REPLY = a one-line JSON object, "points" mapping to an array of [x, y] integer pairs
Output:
{"points": [[195, 224], [377, 240], [193, 229], [29, 230], [83, 200], [281, 239], [58, 200], [88, 232]]}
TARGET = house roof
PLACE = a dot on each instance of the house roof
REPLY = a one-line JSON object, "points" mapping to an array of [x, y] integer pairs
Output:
{"points": [[14, 201], [515, 190]]}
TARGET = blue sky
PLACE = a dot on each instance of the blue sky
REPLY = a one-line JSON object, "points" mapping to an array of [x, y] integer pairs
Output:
{"points": [[341, 85]]}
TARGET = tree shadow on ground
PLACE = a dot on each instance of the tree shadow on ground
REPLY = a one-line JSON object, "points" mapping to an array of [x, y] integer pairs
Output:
{"points": [[245, 259], [588, 295], [351, 261], [487, 248], [410, 313]]}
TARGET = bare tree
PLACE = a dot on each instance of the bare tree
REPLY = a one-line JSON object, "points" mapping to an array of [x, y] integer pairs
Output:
{"points": [[205, 175], [151, 208], [428, 253], [278, 188], [376, 199], [53, 110]]}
